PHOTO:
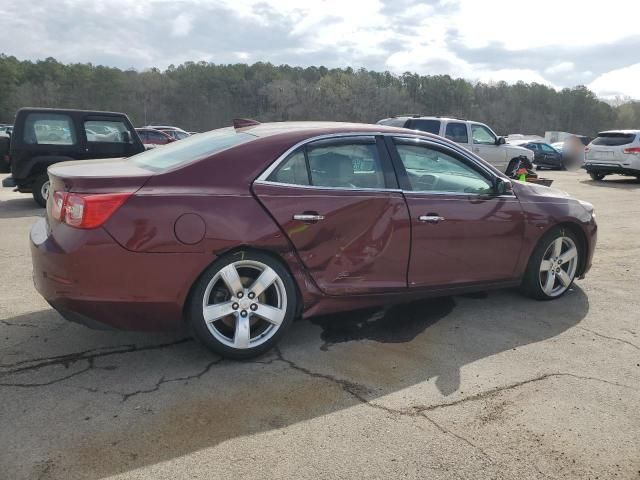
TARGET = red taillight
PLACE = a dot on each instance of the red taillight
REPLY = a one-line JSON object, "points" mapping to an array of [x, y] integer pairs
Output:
{"points": [[57, 205], [586, 149], [82, 210], [632, 150]]}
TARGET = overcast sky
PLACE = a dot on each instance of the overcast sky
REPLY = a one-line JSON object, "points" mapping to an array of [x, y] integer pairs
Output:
{"points": [[557, 42]]}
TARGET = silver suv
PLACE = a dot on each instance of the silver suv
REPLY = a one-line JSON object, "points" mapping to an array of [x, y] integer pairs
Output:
{"points": [[614, 151], [474, 136]]}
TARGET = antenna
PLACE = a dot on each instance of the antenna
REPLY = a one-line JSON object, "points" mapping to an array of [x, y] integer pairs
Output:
{"points": [[244, 122]]}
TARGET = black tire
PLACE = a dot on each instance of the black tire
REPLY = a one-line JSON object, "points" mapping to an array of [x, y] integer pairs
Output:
{"points": [[531, 282], [37, 189], [195, 307], [596, 176]]}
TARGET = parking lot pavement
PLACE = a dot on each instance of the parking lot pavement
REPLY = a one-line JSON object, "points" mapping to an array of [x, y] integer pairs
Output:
{"points": [[480, 386]]}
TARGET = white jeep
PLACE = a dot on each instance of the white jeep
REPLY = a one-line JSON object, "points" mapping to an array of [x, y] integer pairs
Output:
{"points": [[474, 136]]}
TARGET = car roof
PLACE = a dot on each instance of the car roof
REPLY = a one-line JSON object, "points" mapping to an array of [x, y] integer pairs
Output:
{"points": [[427, 117], [620, 131], [69, 110], [322, 128]]}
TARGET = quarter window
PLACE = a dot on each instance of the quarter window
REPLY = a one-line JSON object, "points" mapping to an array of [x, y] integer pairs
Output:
{"points": [[432, 170], [292, 171], [457, 132], [482, 135], [107, 131], [49, 129]]}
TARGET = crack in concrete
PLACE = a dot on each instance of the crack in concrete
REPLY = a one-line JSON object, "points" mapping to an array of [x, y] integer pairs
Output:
{"points": [[90, 366], [356, 390], [162, 381], [609, 338], [494, 391], [9, 324], [71, 358]]}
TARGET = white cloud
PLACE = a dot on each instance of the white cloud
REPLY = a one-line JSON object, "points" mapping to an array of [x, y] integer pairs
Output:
{"points": [[620, 82], [562, 67], [181, 25]]}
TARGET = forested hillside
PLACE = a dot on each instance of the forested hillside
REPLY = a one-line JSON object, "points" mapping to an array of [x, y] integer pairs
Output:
{"points": [[202, 96]]}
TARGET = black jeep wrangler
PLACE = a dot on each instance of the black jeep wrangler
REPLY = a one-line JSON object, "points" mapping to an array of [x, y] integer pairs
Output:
{"points": [[44, 136]]}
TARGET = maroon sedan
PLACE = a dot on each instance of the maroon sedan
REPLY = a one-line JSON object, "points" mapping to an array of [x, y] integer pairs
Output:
{"points": [[235, 232]]}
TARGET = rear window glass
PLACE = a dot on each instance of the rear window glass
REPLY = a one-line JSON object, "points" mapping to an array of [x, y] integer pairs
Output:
{"points": [[49, 129], [190, 149], [614, 139], [429, 126]]}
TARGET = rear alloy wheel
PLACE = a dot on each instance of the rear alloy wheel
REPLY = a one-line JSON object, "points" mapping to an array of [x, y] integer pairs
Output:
{"points": [[553, 265], [40, 189], [596, 176], [242, 305]]}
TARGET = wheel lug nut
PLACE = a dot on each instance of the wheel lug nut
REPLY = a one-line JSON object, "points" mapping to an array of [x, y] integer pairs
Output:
{"points": [[254, 307], [243, 313], [240, 295], [235, 306], [252, 295]]}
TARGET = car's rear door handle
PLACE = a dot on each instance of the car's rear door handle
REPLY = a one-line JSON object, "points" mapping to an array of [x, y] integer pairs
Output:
{"points": [[308, 217], [430, 218]]}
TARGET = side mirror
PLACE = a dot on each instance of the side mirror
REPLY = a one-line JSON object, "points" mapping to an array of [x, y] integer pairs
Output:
{"points": [[500, 141], [502, 186]]}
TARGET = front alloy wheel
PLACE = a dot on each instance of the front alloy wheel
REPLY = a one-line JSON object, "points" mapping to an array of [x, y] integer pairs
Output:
{"points": [[558, 266], [244, 305], [553, 265]]}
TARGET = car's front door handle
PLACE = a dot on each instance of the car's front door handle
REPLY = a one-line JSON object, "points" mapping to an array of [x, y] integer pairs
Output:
{"points": [[430, 218], [308, 217]]}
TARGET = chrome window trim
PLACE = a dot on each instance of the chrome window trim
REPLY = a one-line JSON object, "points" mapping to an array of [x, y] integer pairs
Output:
{"points": [[318, 187], [262, 178]]}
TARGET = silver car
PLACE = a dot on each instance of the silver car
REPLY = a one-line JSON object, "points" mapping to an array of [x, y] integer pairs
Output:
{"points": [[614, 152]]}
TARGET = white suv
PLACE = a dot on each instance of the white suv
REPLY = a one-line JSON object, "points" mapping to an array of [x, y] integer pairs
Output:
{"points": [[614, 151], [474, 136]]}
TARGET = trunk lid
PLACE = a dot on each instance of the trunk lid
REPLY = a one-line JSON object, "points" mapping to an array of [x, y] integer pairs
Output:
{"points": [[114, 175], [608, 147]]}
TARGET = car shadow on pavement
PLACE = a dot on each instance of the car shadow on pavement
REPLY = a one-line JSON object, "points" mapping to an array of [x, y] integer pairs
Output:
{"points": [[135, 400], [20, 207]]}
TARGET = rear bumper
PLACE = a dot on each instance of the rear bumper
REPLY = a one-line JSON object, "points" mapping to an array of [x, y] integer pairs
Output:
{"points": [[632, 168], [90, 279]]}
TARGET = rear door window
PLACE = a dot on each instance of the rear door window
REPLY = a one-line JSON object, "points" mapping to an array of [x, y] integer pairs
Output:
{"points": [[547, 148], [350, 164], [107, 131], [424, 125], [49, 129], [457, 132], [614, 139]]}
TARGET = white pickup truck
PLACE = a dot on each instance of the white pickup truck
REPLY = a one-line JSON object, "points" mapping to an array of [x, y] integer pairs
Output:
{"points": [[474, 136]]}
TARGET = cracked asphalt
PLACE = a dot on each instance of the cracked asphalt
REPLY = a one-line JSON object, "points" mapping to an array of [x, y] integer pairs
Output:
{"points": [[479, 386]]}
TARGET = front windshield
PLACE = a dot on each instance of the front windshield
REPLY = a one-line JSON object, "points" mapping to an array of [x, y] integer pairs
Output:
{"points": [[190, 149]]}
